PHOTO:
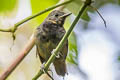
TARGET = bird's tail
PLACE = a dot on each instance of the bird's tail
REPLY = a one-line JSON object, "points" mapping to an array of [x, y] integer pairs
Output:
{"points": [[60, 67]]}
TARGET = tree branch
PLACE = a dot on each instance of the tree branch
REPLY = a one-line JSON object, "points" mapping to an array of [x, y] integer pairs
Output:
{"points": [[60, 45], [16, 62], [28, 46], [13, 29]]}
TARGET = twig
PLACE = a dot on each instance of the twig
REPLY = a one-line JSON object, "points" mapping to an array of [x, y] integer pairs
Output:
{"points": [[13, 29], [28, 46], [99, 15], [60, 45], [6, 30]]}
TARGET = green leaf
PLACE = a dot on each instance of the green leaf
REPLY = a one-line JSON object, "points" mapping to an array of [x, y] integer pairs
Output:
{"points": [[7, 5], [76, 5], [39, 5], [73, 54], [119, 2]]}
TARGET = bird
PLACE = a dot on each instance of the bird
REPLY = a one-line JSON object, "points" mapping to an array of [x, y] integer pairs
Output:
{"points": [[48, 35]]}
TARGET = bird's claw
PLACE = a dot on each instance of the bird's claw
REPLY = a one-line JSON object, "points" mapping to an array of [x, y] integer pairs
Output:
{"points": [[57, 56], [43, 68]]}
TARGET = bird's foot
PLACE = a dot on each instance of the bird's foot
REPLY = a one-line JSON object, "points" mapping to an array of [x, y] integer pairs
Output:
{"points": [[42, 67], [44, 71], [58, 55]]}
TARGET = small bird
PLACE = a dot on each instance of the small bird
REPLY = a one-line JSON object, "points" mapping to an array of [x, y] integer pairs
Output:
{"points": [[48, 35]]}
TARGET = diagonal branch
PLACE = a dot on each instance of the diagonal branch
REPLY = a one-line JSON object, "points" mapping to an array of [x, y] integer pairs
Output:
{"points": [[60, 45], [17, 61]]}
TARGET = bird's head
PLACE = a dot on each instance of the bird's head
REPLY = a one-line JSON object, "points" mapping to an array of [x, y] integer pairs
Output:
{"points": [[57, 17]]}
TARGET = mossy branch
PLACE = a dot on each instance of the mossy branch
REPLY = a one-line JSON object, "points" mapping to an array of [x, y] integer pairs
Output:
{"points": [[60, 45]]}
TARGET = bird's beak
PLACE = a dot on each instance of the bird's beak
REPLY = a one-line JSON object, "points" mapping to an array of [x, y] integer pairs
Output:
{"points": [[65, 15]]}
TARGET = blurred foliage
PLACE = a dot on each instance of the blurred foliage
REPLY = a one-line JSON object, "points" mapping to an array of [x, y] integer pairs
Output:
{"points": [[119, 2], [75, 6], [7, 5], [39, 5], [119, 58], [100, 3], [73, 54]]}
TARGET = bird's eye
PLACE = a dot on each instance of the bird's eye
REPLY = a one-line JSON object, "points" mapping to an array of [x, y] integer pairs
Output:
{"points": [[56, 15]]}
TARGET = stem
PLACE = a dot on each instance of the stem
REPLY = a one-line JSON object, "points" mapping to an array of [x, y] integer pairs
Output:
{"points": [[13, 29], [60, 45], [99, 15], [6, 30]]}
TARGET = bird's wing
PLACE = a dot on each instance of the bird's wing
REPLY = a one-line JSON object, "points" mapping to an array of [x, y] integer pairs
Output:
{"points": [[59, 63], [38, 54]]}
